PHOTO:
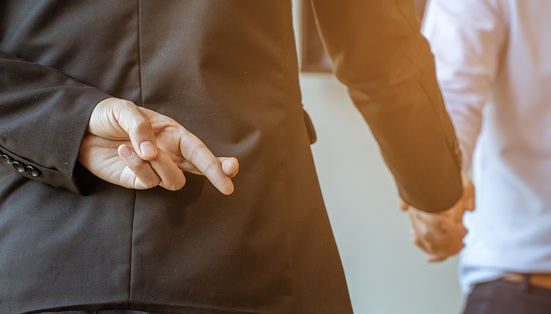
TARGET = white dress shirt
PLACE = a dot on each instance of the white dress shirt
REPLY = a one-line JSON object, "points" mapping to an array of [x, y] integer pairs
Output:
{"points": [[493, 60]]}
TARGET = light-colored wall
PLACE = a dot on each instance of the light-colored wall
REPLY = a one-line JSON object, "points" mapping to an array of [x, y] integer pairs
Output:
{"points": [[386, 274]]}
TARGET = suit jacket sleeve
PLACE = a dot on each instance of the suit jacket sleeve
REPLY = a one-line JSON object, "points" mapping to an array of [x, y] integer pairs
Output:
{"points": [[379, 53], [43, 118]]}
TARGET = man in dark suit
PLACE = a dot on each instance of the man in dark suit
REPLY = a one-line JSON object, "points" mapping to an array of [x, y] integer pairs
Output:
{"points": [[86, 92]]}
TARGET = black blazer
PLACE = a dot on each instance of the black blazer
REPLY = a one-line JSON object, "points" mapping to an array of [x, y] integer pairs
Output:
{"points": [[227, 71]]}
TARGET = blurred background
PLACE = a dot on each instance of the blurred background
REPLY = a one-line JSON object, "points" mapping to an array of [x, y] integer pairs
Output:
{"points": [[386, 274]]}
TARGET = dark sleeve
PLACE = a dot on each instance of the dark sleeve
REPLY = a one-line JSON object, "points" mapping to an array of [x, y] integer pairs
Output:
{"points": [[43, 119], [380, 55]]}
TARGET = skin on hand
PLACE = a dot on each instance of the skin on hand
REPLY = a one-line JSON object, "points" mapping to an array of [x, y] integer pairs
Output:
{"points": [[440, 235], [138, 148]]}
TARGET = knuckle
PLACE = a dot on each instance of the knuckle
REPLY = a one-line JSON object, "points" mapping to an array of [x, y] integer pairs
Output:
{"points": [[129, 103], [211, 167], [120, 105], [124, 103], [195, 154], [183, 131]]}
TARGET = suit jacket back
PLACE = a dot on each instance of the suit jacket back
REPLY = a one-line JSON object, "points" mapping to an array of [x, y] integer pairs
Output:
{"points": [[227, 71]]}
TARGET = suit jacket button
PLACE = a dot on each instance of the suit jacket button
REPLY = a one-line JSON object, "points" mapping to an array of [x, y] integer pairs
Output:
{"points": [[7, 159], [33, 171], [19, 166]]}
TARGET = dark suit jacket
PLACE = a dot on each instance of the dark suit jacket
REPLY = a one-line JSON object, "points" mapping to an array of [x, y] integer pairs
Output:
{"points": [[227, 71]]}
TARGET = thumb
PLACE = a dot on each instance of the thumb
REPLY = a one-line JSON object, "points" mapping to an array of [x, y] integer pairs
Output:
{"points": [[139, 129], [468, 193], [403, 205]]}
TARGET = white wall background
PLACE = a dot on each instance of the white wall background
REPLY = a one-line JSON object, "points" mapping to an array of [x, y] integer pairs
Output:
{"points": [[386, 274]]}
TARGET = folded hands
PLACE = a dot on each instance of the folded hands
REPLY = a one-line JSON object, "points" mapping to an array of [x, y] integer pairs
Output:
{"points": [[440, 235]]}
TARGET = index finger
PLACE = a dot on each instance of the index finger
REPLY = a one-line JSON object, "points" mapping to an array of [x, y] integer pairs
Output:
{"points": [[195, 151], [230, 166]]}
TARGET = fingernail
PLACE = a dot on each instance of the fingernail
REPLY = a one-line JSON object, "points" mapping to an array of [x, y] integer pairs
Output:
{"points": [[147, 148], [125, 152]]}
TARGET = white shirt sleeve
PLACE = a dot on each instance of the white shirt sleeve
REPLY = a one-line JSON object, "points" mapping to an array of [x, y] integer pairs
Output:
{"points": [[466, 37]]}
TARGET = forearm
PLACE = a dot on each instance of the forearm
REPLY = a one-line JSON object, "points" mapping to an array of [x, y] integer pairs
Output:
{"points": [[43, 118], [380, 55]]}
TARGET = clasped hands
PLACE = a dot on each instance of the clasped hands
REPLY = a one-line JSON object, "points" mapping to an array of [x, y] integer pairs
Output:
{"points": [[138, 148], [440, 235]]}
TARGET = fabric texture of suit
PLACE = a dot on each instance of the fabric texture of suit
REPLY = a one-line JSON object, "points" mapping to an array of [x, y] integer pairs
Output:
{"points": [[227, 71]]}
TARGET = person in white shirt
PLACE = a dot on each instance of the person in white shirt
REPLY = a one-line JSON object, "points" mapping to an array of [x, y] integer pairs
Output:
{"points": [[493, 60]]}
